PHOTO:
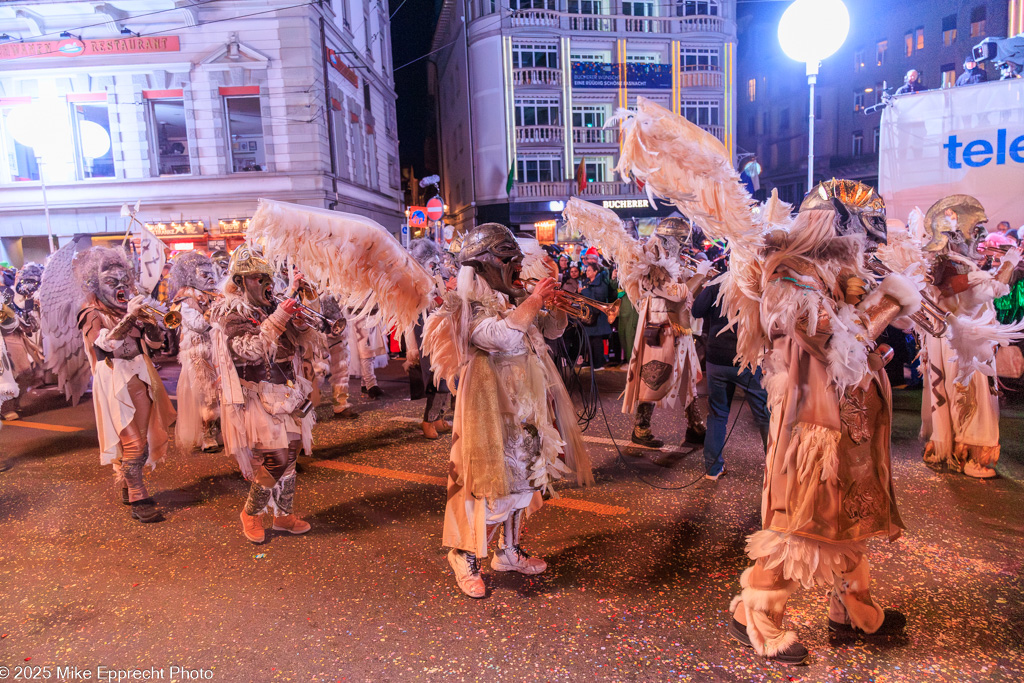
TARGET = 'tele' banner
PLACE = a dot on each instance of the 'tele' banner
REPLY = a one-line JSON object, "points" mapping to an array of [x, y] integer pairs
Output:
{"points": [[966, 140]]}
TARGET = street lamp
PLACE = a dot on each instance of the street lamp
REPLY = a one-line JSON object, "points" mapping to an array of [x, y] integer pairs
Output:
{"points": [[810, 31]]}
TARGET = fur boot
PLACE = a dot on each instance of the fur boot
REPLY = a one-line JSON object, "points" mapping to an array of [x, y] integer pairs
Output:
{"points": [[851, 603], [764, 608]]}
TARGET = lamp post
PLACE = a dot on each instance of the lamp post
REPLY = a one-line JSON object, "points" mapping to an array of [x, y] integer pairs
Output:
{"points": [[810, 31]]}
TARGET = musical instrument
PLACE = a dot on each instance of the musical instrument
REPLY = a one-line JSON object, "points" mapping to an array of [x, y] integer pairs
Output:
{"points": [[582, 307], [171, 319], [995, 250], [7, 312], [931, 318], [313, 318]]}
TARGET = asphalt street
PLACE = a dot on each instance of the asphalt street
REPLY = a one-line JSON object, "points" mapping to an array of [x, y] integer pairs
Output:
{"points": [[642, 566]]}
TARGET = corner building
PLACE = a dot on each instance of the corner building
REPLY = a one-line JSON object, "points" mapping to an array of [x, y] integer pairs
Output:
{"points": [[523, 91], [195, 109]]}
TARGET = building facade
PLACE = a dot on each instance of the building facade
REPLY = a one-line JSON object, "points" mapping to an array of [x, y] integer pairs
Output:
{"points": [[195, 110], [886, 40], [524, 90]]}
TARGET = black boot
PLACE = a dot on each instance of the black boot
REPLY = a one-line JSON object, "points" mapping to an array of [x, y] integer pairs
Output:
{"points": [[642, 427], [124, 496], [146, 511], [794, 655], [894, 625]]}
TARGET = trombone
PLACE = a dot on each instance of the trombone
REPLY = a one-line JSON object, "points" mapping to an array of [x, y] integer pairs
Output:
{"points": [[582, 307], [313, 318], [931, 318]]}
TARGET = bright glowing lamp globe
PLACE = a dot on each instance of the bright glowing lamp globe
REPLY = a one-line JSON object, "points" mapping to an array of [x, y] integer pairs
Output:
{"points": [[41, 125], [95, 140], [811, 30]]}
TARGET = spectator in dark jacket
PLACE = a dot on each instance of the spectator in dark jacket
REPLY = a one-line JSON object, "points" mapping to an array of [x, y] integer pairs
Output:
{"points": [[972, 73], [911, 83], [596, 285], [723, 376]]}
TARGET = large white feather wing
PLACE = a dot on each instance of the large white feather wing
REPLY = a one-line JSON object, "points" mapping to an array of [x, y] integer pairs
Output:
{"points": [[691, 168], [60, 299], [602, 228], [350, 256]]}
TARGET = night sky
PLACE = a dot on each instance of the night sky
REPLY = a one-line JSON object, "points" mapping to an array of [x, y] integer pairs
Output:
{"points": [[412, 30]]}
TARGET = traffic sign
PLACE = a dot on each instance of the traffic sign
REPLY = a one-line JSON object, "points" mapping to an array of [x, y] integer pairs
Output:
{"points": [[435, 209]]}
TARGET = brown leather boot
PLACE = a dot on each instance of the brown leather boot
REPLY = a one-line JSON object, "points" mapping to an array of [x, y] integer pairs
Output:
{"points": [[291, 524], [442, 426], [429, 431], [252, 527]]}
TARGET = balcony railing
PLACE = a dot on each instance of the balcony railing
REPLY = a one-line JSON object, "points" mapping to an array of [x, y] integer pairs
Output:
{"points": [[560, 189], [595, 136], [717, 131], [701, 79], [537, 76], [608, 23], [539, 135]]}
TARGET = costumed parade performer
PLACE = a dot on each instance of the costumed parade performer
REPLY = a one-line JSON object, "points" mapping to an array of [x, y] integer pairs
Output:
{"points": [[133, 411], [513, 416], [8, 385], [21, 332], [428, 254], [266, 414], [664, 368], [338, 355], [808, 311], [960, 410], [192, 286]]}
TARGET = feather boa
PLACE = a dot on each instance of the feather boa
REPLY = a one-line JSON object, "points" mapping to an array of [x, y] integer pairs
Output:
{"points": [[350, 256]]}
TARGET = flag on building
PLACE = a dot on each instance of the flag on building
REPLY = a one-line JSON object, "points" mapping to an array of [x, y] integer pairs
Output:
{"points": [[510, 181], [151, 260], [581, 176]]}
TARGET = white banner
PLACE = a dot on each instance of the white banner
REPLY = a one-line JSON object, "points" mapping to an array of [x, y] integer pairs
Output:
{"points": [[151, 260], [967, 140]]}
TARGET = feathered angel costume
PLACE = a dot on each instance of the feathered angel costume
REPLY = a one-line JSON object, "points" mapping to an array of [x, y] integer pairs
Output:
{"points": [[797, 293], [514, 420]]}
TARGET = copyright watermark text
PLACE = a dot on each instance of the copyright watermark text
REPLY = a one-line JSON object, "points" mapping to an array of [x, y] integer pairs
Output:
{"points": [[103, 672]]}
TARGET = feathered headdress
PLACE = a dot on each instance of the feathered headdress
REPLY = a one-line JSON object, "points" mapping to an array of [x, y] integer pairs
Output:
{"points": [[350, 256]]}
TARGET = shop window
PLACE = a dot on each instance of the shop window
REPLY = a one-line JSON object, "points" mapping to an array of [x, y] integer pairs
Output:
{"points": [[170, 138], [92, 139], [538, 169], [245, 132]]}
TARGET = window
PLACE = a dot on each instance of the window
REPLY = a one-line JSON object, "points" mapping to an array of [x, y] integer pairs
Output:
{"points": [[245, 133], [879, 91], [586, 7], [784, 120], [880, 49], [537, 111], [752, 89], [908, 43], [877, 140], [532, 4], [858, 60], [642, 58], [596, 169], [701, 112], [367, 100], [700, 59], [91, 126], [528, 55], [857, 143], [949, 30], [638, 8], [696, 8], [538, 169], [598, 57], [169, 141], [978, 16], [948, 75], [589, 115], [920, 37], [858, 100]]}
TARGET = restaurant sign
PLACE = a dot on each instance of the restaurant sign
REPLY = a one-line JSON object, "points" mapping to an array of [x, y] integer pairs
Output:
{"points": [[73, 47]]}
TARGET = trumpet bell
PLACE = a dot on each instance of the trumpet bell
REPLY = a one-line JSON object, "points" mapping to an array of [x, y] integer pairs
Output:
{"points": [[172, 320]]}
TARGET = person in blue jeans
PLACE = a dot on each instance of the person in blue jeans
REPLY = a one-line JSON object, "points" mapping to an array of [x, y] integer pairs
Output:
{"points": [[723, 376]]}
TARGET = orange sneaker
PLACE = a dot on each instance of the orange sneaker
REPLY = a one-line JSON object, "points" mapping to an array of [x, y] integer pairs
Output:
{"points": [[291, 524], [252, 527]]}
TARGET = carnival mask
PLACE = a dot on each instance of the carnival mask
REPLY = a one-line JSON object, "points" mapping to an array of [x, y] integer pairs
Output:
{"points": [[491, 249], [206, 277], [860, 209], [258, 289], [116, 287], [27, 285], [955, 224]]}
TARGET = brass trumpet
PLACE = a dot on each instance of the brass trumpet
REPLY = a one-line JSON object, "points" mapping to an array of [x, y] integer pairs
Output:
{"points": [[314, 318], [582, 307], [931, 318], [171, 319], [998, 250]]}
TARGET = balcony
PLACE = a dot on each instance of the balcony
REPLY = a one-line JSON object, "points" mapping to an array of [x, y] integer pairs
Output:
{"points": [[537, 76], [717, 131], [612, 23], [539, 135], [701, 79], [595, 136]]}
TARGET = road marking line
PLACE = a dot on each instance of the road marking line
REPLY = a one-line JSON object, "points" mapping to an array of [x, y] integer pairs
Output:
{"points": [[40, 425], [623, 443], [563, 502]]}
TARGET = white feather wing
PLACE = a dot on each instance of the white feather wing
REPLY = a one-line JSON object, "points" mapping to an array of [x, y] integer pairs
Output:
{"points": [[350, 256], [60, 299], [602, 228]]}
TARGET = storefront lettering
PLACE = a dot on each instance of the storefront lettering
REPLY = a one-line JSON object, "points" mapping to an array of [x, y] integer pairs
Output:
{"points": [[72, 47]]}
